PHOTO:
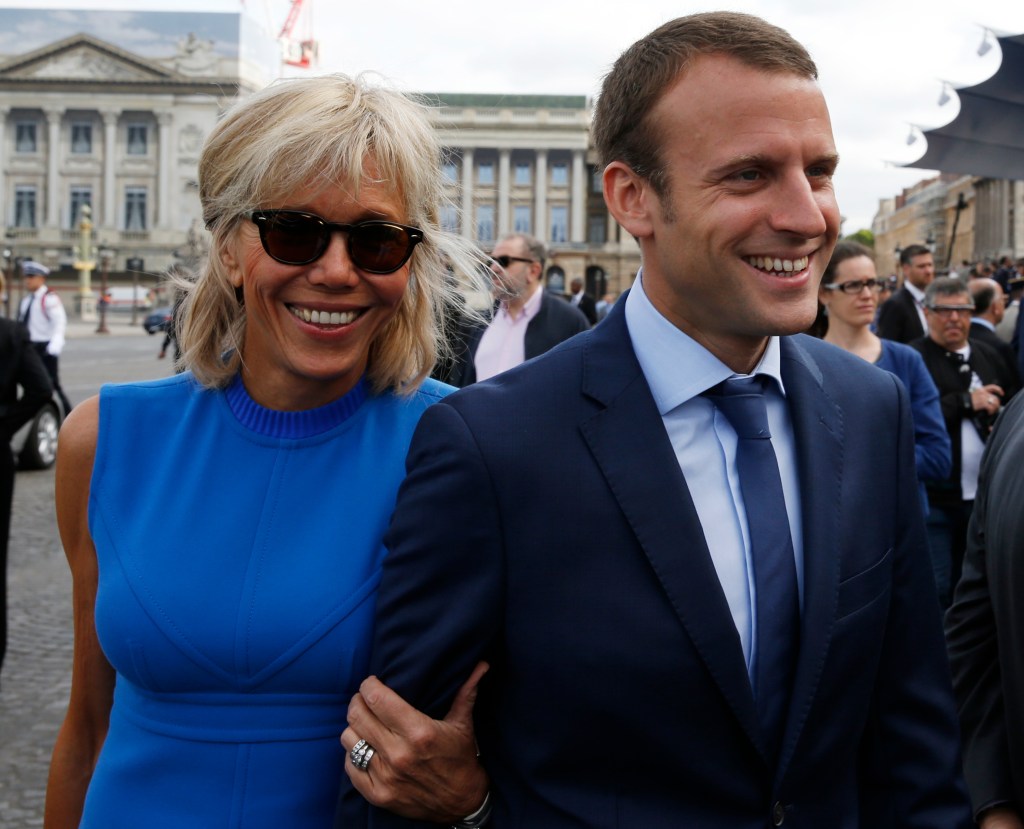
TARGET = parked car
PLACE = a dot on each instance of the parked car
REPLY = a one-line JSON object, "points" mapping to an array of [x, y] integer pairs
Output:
{"points": [[35, 444], [159, 320]]}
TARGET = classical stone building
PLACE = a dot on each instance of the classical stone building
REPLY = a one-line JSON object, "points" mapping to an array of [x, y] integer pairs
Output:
{"points": [[960, 217], [86, 122], [524, 163], [111, 111]]}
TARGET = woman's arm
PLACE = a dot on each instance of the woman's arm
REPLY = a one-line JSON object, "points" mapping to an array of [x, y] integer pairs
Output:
{"points": [[92, 679]]}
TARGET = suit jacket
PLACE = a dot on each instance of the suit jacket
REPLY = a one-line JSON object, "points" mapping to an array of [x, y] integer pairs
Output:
{"points": [[587, 307], [898, 318], [555, 322], [982, 334], [20, 365], [618, 694], [953, 383], [985, 625]]}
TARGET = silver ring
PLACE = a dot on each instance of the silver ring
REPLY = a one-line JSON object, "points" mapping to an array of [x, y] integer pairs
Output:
{"points": [[361, 754], [991, 400]]}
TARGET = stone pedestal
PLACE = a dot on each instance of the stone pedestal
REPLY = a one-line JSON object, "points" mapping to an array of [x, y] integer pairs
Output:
{"points": [[87, 306]]}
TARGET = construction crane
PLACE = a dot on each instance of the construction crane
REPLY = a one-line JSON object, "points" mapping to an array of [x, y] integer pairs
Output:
{"points": [[301, 52]]}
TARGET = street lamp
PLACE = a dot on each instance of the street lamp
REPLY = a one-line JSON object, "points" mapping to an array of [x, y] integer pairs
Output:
{"points": [[105, 255]]}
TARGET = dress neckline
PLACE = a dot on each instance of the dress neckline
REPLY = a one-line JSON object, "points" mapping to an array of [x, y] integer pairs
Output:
{"points": [[301, 424]]}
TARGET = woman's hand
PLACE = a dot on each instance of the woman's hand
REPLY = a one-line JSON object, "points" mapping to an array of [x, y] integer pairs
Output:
{"points": [[421, 768]]}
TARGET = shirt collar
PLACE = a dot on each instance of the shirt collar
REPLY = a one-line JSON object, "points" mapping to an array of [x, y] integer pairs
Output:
{"points": [[530, 307], [915, 292], [983, 322], [676, 366]]}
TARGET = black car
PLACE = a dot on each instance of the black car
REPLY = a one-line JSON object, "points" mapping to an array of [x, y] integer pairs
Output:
{"points": [[35, 443], [159, 320]]}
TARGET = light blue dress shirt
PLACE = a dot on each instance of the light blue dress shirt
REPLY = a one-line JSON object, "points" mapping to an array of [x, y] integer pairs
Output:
{"points": [[678, 370]]}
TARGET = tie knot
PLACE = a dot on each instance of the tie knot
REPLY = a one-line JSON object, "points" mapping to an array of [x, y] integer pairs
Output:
{"points": [[742, 402]]}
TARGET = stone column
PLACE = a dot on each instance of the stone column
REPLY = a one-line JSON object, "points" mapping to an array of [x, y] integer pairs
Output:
{"points": [[110, 117], [504, 190], [165, 198], [4, 112], [579, 198], [468, 219], [540, 197], [53, 119]]}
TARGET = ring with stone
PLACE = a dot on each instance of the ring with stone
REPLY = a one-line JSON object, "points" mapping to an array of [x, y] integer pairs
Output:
{"points": [[361, 754]]}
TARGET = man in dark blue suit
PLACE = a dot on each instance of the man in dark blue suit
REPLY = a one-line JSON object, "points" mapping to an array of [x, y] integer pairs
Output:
{"points": [[586, 523]]}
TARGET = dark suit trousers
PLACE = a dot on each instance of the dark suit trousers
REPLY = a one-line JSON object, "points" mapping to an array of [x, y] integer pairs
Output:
{"points": [[6, 501]]}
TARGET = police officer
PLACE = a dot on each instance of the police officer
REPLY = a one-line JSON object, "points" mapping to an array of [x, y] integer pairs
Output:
{"points": [[42, 312]]}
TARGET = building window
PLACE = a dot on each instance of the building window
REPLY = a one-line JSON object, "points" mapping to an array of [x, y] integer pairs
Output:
{"points": [[80, 196], [522, 178], [560, 174], [449, 218], [596, 181], [134, 208], [24, 206], [450, 171], [485, 173], [521, 215], [25, 137], [485, 223], [81, 138], [596, 228], [138, 139], [559, 223]]}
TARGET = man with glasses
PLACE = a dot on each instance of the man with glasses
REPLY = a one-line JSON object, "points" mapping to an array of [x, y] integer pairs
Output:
{"points": [[901, 317], [973, 386], [526, 321]]}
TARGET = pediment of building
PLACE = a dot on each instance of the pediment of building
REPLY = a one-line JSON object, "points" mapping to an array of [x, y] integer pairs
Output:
{"points": [[84, 58]]}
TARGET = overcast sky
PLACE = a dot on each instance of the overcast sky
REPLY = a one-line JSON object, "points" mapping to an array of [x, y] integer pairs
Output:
{"points": [[881, 61]]}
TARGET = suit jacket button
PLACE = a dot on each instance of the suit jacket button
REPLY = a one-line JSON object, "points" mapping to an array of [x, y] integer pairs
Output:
{"points": [[778, 814]]}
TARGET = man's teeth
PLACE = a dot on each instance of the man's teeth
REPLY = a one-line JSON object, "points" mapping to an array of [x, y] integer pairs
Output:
{"points": [[324, 317], [766, 263]]}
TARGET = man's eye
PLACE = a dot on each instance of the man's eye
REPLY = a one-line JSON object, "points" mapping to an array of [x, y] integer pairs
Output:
{"points": [[748, 175]]}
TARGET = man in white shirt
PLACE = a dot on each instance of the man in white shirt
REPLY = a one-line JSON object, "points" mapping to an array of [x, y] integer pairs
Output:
{"points": [[901, 317], [42, 312], [527, 320]]}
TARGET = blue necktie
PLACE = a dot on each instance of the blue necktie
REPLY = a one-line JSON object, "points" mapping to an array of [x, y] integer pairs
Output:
{"points": [[777, 605]]}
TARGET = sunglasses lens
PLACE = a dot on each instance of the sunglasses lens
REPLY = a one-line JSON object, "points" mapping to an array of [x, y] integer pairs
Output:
{"points": [[294, 239], [380, 248]]}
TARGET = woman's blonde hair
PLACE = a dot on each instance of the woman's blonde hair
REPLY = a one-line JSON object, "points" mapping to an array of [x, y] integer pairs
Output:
{"points": [[307, 135]]}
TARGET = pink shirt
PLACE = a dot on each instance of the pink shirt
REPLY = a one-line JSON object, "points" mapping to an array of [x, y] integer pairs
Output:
{"points": [[502, 344]]}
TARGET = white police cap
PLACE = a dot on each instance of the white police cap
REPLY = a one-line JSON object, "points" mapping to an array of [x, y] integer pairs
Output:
{"points": [[30, 268]]}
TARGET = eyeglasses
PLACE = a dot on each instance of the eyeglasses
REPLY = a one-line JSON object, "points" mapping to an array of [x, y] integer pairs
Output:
{"points": [[504, 261], [295, 238], [855, 286], [949, 310]]}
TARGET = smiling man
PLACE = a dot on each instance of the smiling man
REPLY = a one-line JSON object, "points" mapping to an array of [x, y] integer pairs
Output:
{"points": [[689, 543]]}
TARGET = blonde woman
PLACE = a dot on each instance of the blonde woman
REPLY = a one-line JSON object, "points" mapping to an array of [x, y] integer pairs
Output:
{"points": [[224, 526]]}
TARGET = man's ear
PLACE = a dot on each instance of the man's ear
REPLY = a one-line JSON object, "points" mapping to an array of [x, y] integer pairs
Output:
{"points": [[630, 199]]}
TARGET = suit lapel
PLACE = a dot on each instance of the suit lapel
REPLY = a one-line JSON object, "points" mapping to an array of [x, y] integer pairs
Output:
{"points": [[629, 443], [817, 430]]}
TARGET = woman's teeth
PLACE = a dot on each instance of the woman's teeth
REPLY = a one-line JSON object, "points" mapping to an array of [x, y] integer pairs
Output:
{"points": [[324, 317]]}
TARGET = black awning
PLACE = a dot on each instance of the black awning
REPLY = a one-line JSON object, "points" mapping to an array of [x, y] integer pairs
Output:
{"points": [[987, 137]]}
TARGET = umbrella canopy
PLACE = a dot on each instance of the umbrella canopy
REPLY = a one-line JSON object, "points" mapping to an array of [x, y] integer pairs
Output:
{"points": [[987, 137]]}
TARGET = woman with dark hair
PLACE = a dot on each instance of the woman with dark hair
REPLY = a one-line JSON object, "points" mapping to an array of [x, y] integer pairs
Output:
{"points": [[849, 293]]}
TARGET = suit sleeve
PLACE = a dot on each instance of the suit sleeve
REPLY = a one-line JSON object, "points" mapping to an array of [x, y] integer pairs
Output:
{"points": [[910, 757], [974, 658], [932, 447], [890, 322], [31, 375], [440, 598]]}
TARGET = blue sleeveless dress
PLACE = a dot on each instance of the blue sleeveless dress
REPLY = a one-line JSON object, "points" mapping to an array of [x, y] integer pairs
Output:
{"points": [[239, 554]]}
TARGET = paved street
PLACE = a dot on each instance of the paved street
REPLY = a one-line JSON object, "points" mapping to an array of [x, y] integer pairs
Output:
{"points": [[36, 674]]}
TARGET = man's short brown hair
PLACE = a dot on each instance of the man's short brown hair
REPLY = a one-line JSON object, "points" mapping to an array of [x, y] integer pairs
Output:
{"points": [[623, 129]]}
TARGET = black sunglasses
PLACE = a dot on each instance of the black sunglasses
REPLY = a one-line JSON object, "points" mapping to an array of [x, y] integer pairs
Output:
{"points": [[504, 261], [855, 286], [296, 238]]}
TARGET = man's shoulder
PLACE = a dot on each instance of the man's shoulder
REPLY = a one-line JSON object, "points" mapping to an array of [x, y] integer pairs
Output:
{"points": [[561, 311]]}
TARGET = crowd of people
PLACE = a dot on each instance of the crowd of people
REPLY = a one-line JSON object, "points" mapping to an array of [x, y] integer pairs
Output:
{"points": [[665, 560]]}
